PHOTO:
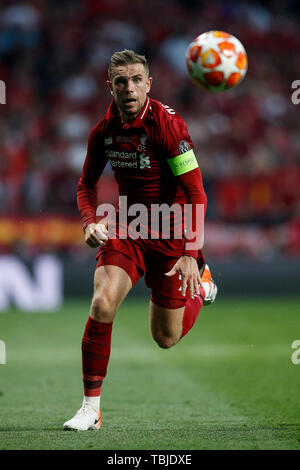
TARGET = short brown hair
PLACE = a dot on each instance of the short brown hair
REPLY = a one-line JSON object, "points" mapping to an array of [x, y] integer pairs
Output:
{"points": [[126, 57]]}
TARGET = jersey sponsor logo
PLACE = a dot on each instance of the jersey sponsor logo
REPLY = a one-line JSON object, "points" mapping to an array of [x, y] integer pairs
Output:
{"points": [[116, 154], [183, 163], [123, 164], [144, 161], [117, 159], [184, 146], [138, 160]]}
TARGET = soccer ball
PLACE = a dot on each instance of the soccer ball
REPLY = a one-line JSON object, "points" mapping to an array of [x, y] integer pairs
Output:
{"points": [[216, 61]]}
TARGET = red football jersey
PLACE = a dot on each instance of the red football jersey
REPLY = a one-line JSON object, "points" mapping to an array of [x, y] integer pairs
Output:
{"points": [[141, 153]]}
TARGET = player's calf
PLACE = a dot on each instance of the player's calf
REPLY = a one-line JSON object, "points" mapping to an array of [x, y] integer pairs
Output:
{"points": [[166, 325]]}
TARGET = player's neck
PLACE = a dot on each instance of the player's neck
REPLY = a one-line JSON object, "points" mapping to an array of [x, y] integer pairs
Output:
{"points": [[125, 118], [128, 117]]}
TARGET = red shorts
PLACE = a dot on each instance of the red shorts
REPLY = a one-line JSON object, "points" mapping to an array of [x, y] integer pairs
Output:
{"points": [[152, 258]]}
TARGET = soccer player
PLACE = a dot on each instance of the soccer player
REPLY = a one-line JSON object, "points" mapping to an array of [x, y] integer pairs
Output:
{"points": [[151, 153]]}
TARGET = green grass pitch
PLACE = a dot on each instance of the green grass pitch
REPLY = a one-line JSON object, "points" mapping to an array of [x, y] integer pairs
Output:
{"points": [[229, 384]]}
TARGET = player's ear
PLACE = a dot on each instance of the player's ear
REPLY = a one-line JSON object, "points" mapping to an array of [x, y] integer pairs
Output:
{"points": [[149, 84], [109, 84]]}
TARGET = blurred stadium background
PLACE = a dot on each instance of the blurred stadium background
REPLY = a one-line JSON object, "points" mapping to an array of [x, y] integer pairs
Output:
{"points": [[231, 383], [53, 59]]}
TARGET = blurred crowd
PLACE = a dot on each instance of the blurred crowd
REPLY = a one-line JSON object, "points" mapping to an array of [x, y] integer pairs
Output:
{"points": [[54, 57]]}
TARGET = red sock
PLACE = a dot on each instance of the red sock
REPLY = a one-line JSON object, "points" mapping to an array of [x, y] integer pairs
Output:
{"points": [[191, 312], [95, 349]]}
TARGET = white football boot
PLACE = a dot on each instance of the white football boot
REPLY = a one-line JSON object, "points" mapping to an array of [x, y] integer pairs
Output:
{"points": [[85, 418], [209, 286]]}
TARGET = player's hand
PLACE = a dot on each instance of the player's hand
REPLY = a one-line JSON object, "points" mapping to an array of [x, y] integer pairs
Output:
{"points": [[189, 275], [96, 235]]}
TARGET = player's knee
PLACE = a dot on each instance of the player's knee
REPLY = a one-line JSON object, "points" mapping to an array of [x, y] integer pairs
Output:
{"points": [[102, 308], [165, 342]]}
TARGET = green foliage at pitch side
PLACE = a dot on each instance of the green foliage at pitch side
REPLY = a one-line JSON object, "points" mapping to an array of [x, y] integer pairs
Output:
{"points": [[229, 384]]}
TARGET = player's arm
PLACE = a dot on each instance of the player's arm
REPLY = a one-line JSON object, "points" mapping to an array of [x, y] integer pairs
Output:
{"points": [[95, 161], [191, 182], [188, 175], [185, 169], [177, 146]]}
